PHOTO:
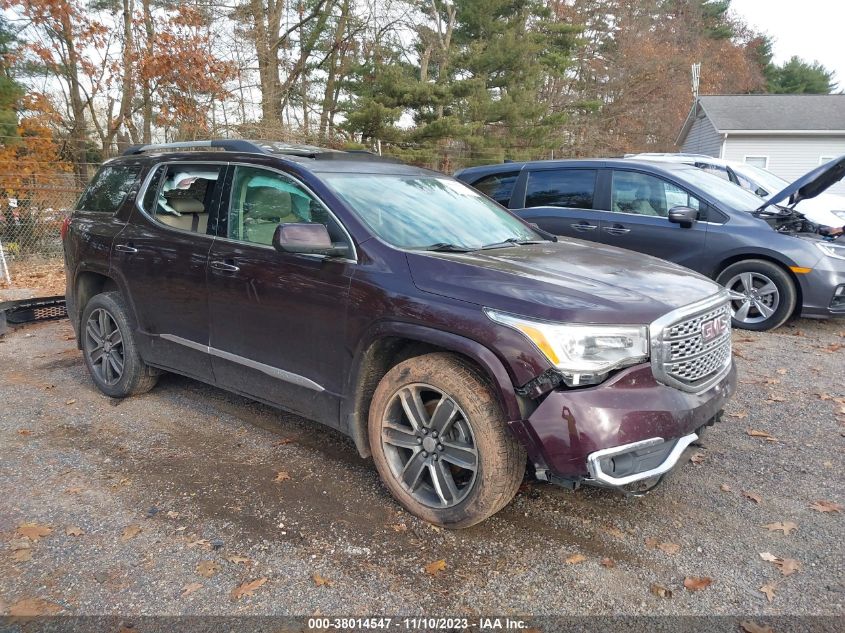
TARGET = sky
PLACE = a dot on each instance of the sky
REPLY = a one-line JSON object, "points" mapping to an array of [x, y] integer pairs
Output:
{"points": [[811, 29]]}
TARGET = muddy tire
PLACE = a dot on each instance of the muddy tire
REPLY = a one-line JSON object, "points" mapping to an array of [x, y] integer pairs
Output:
{"points": [[440, 441], [763, 295], [109, 350]]}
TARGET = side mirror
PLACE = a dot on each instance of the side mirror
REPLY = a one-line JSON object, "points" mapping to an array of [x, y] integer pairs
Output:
{"points": [[685, 216], [307, 239]]}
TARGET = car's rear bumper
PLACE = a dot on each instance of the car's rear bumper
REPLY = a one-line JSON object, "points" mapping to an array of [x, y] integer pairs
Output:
{"points": [[576, 434]]}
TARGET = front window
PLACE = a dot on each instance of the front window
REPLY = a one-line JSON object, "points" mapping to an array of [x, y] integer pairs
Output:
{"points": [[181, 195], [642, 194], [423, 212]]}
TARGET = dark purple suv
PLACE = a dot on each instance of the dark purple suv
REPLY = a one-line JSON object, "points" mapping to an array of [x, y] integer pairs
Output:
{"points": [[452, 341]]}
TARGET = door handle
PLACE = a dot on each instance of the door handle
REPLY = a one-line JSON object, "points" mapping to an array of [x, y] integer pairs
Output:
{"points": [[225, 267], [616, 229], [584, 226], [125, 248]]}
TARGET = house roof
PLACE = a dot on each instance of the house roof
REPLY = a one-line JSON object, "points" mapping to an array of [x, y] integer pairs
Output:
{"points": [[776, 114]]}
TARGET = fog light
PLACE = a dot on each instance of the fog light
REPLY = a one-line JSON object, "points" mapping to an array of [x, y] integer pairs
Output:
{"points": [[838, 301]]}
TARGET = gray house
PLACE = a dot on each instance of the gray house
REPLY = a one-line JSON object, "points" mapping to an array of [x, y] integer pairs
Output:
{"points": [[787, 134]]}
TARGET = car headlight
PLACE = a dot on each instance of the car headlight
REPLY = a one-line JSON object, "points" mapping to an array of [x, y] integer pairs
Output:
{"points": [[831, 250], [584, 354]]}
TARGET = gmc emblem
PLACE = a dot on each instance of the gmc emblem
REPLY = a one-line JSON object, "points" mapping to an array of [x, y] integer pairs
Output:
{"points": [[714, 328]]}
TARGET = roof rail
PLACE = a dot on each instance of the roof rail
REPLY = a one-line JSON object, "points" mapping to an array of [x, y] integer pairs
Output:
{"points": [[230, 145]]}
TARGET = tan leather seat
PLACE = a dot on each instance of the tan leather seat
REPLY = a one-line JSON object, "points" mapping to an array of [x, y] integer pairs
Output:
{"points": [[192, 215]]}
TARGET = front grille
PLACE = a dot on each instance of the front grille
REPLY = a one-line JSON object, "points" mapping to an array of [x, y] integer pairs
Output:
{"points": [[686, 359]]}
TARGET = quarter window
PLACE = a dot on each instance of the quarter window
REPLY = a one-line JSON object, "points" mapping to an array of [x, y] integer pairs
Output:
{"points": [[109, 189], [570, 188], [182, 196], [498, 187], [261, 200], [634, 192]]}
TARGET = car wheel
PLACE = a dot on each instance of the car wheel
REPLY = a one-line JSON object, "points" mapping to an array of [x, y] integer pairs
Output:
{"points": [[762, 294], [109, 349], [440, 441]]}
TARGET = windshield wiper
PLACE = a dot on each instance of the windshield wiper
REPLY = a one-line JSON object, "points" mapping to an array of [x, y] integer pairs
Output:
{"points": [[445, 247], [512, 241]]}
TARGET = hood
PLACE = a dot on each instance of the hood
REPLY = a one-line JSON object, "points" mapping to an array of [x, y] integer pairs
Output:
{"points": [[569, 281], [810, 184]]}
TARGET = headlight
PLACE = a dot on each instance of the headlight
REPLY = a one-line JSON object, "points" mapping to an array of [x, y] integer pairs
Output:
{"points": [[831, 250], [584, 354]]}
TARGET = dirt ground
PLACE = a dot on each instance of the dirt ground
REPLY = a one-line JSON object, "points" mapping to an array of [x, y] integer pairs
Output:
{"points": [[190, 500]]}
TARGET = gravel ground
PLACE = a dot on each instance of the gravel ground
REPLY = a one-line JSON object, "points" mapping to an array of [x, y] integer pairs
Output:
{"points": [[168, 502]]}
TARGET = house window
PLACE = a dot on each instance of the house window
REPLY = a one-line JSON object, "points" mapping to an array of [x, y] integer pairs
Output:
{"points": [[825, 159], [758, 161]]}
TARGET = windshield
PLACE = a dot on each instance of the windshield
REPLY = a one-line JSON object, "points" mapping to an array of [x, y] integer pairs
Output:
{"points": [[729, 194], [761, 179], [424, 212]]}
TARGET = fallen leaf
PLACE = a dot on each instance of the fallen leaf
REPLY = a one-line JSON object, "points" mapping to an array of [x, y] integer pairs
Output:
{"points": [[787, 566], [283, 441], [833, 347], [399, 527], [769, 590], [71, 401], [797, 333], [614, 531], [281, 476], [24, 432], [738, 414], [432, 569], [697, 583], [725, 488], [771, 381], [239, 560], [31, 607], [668, 548], [763, 434], [608, 562], [191, 588], [751, 496], [752, 627], [73, 530], [207, 568], [172, 515], [75, 490], [322, 582], [574, 559], [247, 588], [774, 398], [782, 371], [202, 542], [130, 531], [824, 396], [697, 458], [33, 531], [22, 555], [786, 527], [660, 591], [820, 505]]}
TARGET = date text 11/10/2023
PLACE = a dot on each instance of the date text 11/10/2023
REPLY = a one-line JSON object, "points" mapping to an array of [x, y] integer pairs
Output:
{"points": [[418, 623]]}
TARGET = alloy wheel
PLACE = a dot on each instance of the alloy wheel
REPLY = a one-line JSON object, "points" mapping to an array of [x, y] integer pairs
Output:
{"points": [[754, 297], [104, 346], [429, 445]]}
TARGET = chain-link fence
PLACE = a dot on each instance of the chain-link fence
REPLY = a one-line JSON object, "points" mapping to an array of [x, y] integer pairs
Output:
{"points": [[30, 239]]}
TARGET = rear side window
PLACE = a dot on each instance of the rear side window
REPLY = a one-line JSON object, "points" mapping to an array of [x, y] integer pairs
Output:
{"points": [[498, 187], [109, 189], [571, 188]]}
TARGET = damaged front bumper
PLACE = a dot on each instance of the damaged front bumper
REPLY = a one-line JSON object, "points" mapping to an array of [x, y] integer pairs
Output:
{"points": [[626, 431]]}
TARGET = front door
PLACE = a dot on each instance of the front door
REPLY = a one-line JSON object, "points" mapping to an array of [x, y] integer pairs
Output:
{"points": [[161, 258], [638, 219], [278, 320]]}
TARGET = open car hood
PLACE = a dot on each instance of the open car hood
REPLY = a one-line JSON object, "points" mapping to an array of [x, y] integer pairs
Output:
{"points": [[810, 184]]}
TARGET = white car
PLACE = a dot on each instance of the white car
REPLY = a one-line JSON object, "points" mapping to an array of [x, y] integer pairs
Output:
{"points": [[827, 209]]}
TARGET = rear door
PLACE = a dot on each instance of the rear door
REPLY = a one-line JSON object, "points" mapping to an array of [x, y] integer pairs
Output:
{"points": [[564, 201], [638, 221], [161, 257], [278, 320]]}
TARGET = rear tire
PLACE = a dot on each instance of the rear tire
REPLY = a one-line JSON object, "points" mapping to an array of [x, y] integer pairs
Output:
{"points": [[109, 349], [763, 295], [440, 441]]}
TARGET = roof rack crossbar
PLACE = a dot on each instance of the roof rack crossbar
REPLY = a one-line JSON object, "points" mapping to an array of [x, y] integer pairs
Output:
{"points": [[231, 145]]}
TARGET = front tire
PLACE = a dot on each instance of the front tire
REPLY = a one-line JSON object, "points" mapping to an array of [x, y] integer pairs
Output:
{"points": [[763, 295], [440, 443], [109, 349]]}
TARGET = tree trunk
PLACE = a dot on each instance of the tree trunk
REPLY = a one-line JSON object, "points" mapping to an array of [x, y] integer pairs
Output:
{"points": [[78, 140]]}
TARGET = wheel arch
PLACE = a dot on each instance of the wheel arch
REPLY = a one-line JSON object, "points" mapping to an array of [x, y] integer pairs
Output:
{"points": [[387, 344], [740, 257], [87, 285]]}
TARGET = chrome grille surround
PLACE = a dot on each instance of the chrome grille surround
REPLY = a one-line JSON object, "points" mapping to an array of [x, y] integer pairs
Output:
{"points": [[679, 356]]}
